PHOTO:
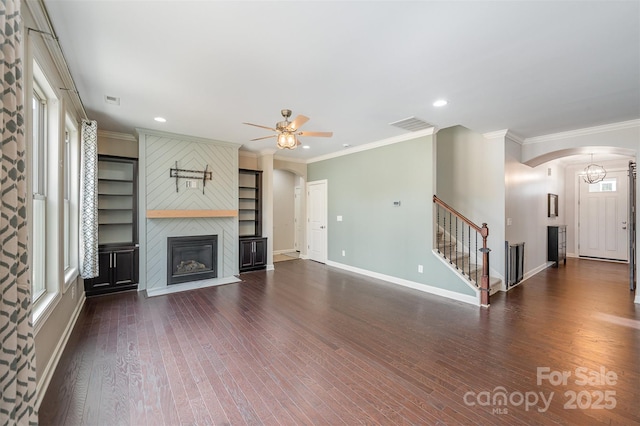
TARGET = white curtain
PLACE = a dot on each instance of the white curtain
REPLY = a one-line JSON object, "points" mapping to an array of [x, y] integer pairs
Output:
{"points": [[17, 352], [89, 201]]}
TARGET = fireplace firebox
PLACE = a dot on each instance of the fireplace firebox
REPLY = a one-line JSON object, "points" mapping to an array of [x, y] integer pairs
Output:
{"points": [[191, 258]]}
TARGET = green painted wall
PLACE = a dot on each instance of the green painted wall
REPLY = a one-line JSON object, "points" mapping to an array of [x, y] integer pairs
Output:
{"points": [[376, 235]]}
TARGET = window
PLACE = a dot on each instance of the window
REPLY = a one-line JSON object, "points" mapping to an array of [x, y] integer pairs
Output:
{"points": [[606, 185], [70, 186], [38, 174], [67, 194], [45, 135]]}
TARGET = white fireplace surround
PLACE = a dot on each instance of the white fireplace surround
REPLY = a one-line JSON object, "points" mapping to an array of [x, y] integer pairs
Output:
{"points": [[158, 152]]}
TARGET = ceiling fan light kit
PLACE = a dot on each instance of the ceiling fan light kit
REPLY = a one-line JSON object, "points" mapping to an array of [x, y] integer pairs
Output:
{"points": [[287, 131], [287, 140]]}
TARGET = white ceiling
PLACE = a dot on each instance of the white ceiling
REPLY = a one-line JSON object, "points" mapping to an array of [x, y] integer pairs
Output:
{"points": [[533, 67]]}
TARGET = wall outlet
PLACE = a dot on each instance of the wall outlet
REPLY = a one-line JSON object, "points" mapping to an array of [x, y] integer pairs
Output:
{"points": [[344, 253], [73, 291], [191, 184], [339, 218], [420, 269]]}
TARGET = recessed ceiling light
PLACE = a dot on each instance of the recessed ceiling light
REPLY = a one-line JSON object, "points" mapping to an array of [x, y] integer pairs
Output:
{"points": [[440, 103], [346, 145], [160, 119], [306, 147]]}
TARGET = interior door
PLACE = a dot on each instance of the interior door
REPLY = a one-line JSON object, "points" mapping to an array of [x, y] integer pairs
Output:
{"points": [[317, 218], [603, 212]]}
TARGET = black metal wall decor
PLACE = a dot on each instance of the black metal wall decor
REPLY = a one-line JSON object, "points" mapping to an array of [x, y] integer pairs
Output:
{"points": [[205, 175]]}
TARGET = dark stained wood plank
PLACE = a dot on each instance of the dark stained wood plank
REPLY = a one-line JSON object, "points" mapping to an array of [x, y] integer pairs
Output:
{"points": [[310, 344]]}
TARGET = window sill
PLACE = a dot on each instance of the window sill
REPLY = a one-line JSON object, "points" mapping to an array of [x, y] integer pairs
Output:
{"points": [[43, 309], [70, 276]]}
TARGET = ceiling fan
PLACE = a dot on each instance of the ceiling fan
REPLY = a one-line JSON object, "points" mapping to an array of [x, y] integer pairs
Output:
{"points": [[287, 132]]}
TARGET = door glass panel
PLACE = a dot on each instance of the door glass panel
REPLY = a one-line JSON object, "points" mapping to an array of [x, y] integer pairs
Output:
{"points": [[606, 185]]}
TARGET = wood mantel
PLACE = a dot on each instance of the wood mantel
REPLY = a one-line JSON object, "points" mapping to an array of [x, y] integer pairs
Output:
{"points": [[173, 214]]}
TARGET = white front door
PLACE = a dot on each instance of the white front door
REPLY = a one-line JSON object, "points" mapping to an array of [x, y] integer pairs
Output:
{"points": [[317, 213], [603, 218]]}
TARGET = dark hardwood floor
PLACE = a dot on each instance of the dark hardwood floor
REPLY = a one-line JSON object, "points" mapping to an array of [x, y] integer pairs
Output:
{"points": [[310, 344]]}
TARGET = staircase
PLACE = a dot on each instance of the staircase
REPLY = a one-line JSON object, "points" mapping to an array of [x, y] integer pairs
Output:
{"points": [[463, 244], [460, 259]]}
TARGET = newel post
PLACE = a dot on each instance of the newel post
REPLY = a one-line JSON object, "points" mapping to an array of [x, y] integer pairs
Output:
{"points": [[484, 285]]}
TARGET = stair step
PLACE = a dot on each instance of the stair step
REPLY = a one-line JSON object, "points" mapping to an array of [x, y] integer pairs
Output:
{"points": [[461, 261]]}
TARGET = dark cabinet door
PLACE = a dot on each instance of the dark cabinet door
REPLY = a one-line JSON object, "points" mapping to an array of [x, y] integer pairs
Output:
{"points": [[253, 254], [260, 252], [246, 254], [118, 271], [104, 271], [123, 267]]}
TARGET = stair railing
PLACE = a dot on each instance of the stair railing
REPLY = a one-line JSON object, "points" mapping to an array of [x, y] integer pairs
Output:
{"points": [[452, 225]]}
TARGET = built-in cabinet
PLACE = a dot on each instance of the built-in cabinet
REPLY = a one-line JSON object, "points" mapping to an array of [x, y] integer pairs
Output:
{"points": [[117, 226], [557, 244], [253, 254], [253, 247], [249, 203]]}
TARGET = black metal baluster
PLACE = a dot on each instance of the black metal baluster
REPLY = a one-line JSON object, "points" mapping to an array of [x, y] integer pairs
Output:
{"points": [[477, 258], [456, 251], [438, 229], [469, 253], [462, 249], [450, 238], [444, 236]]}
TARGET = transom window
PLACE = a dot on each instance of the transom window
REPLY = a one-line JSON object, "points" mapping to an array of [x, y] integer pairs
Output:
{"points": [[606, 185]]}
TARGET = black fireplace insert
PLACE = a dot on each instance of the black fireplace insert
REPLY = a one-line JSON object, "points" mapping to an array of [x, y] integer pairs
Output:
{"points": [[191, 258]]}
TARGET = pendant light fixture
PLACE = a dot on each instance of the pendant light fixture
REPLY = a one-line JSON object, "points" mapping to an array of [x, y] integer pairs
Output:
{"points": [[594, 173]]}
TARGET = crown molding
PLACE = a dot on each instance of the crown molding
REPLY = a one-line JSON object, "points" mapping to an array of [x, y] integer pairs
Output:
{"points": [[515, 137], [248, 154], [496, 134], [505, 134], [365, 147], [267, 151], [584, 132], [117, 135], [290, 160], [187, 138]]}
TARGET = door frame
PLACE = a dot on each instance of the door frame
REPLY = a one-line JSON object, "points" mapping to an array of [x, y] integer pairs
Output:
{"points": [[576, 214], [298, 229], [325, 234]]}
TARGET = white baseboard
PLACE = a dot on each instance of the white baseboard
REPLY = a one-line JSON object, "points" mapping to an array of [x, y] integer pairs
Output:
{"points": [[47, 374], [531, 273], [271, 268], [535, 270], [304, 256], [283, 251], [473, 300]]}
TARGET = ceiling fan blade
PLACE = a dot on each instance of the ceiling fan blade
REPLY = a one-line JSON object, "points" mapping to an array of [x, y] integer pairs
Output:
{"points": [[316, 134], [298, 122], [264, 137], [262, 127]]}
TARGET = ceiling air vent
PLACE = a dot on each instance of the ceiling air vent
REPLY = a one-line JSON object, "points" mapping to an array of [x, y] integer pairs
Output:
{"points": [[113, 100], [411, 124]]}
